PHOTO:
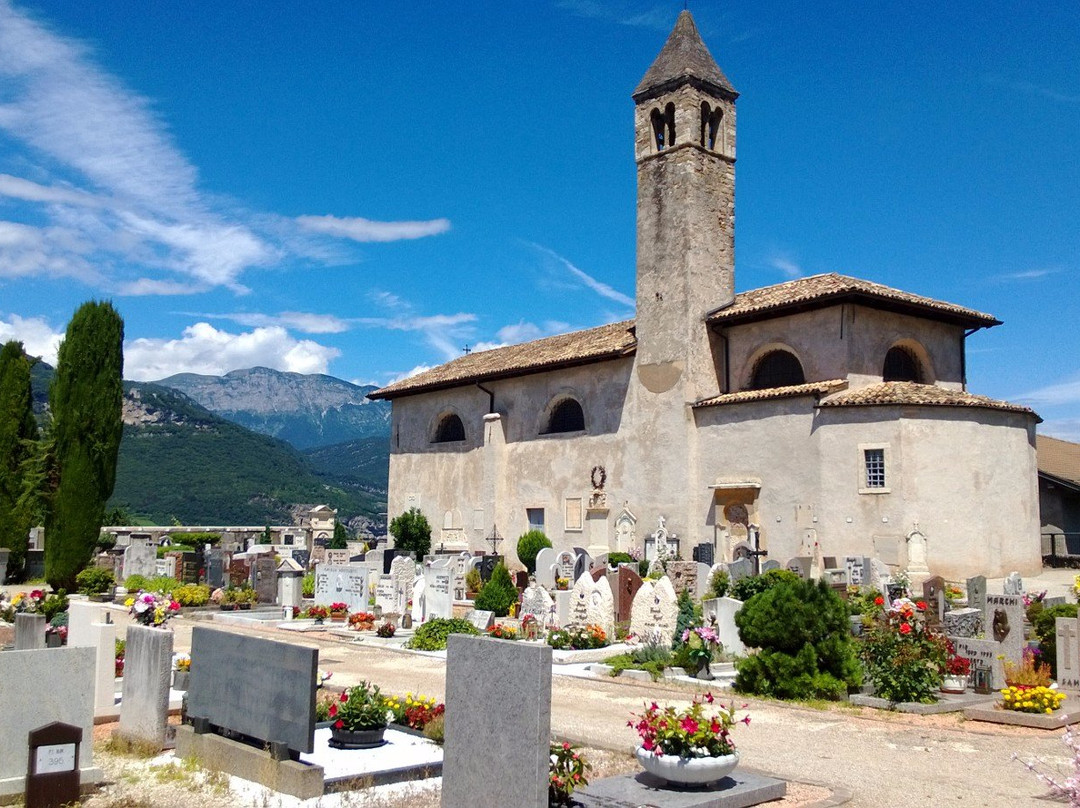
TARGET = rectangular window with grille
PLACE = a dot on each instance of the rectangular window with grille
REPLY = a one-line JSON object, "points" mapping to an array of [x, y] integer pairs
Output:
{"points": [[874, 463], [536, 518]]}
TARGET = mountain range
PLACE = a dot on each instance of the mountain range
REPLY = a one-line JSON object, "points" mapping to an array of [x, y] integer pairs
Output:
{"points": [[226, 462]]}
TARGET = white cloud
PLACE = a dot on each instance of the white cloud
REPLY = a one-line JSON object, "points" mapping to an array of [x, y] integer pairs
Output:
{"points": [[601, 288], [205, 349], [308, 322], [122, 204], [35, 333], [359, 229], [1066, 392], [787, 265], [1061, 428], [447, 333], [1025, 275], [409, 373]]}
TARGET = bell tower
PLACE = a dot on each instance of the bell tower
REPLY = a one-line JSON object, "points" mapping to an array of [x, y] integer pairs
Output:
{"points": [[684, 144]]}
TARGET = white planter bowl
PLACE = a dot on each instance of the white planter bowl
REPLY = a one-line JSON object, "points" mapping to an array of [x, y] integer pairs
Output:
{"points": [[687, 771]]}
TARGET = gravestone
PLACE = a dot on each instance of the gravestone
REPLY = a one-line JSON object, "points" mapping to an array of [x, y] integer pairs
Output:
{"points": [[261, 688], [521, 579], [403, 575], [144, 710], [302, 557], [627, 584], [290, 584], [140, 557], [740, 568], [769, 564], [81, 615], [703, 574], [655, 612], [498, 723], [1014, 584], [459, 569], [419, 599], [215, 569], [545, 574], [662, 544], [239, 572], [385, 594], [38, 688], [389, 554], [704, 553], [562, 607], [857, 569], [488, 563], [684, 577], [564, 566], [976, 592], [481, 619], [800, 565], [582, 563], [342, 584], [52, 779], [5, 553], [985, 654], [265, 572], [29, 631], [1003, 621], [720, 612], [338, 558], [537, 602], [373, 560], [592, 603], [438, 600], [933, 593], [1068, 652], [963, 622]]}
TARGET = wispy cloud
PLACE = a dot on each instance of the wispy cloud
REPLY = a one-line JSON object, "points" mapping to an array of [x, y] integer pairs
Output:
{"points": [[1024, 275], [447, 333], [601, 288], [205, 349], [787, 265], [303, 321], [659, 17], [121, 204], [359, 229], [1052, 395], [1062, 428]]}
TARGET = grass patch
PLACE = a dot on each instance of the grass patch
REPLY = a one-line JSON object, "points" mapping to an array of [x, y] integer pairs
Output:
{"points": [[130, 747]]}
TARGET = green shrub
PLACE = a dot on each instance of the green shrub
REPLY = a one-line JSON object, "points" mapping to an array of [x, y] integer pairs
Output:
{"points": [[133, 583], [196, 538], [745, 588], [94, 581], [802, 631], [435, 729], [192, 594], [689, 616], [431, 636], [650, 658], [473, 581], [307, 585], [719, 582], [163, 584], [498, 594], [177, 548], [615, 559], [54, 605], [1044, 626], [531, 543], [904, 660], [643, 568], [411, 532]]}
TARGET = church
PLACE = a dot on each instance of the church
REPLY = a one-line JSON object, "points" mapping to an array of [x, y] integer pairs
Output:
{"points": [[825, 416]]}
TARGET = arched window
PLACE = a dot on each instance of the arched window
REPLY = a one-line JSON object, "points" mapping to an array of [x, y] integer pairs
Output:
{"points": [[566, 416], [777, 369], [449, 429], [663, 124], [710, 125], [901, 366]]}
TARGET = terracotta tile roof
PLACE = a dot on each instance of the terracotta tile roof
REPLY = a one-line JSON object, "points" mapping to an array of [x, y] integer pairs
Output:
{"points": [[818, 290], [808, 389], [1059, 458], [578, 347], [683, 56], [925, 395]]}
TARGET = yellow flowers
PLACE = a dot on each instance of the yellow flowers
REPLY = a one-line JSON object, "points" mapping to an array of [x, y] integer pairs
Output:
{"points": [[129, 602], [1031, 699]]}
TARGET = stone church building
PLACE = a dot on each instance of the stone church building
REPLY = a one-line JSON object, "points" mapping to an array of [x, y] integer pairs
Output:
{"points": [[823, 415]]}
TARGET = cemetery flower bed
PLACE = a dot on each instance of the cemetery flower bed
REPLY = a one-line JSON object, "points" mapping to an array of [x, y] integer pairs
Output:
{"points": [[578, 638], [431, 636], [151, 609], [316, 613], [360, 717], [1038, 699], [904, 659], [362, 621], [501, 632], [413, 713], [1030, 672]]}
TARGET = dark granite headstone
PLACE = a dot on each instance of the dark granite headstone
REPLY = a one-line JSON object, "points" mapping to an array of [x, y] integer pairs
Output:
{"points": [[933, 593], [215, 569], [260, 688], [187, 567], [521, 579], [487, 566], [597, 574], [35, 564], [302, 557], [627, 583], [581, 563], [266, 579], [239, 572], [388, 558], [52, 775], [705, 553]]}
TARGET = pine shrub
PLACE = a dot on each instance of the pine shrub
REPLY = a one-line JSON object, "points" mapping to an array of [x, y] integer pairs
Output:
{"points": [[804, 639], [745, 588], [498, 594], [531, 543]]}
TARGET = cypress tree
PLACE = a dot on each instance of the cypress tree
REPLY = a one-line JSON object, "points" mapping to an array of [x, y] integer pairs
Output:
{"points": [[86, 399], [18, 431]]}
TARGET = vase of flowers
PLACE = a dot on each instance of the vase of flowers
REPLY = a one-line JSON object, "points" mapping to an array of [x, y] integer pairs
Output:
{"points": [[689, 747], [339, 612], [700, 643], [181, 672], [360, 718], [956, 672], [318, 614], [150, 609]]}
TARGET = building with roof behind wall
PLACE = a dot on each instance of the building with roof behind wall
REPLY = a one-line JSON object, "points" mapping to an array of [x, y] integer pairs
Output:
{"points": [[824, 415]]}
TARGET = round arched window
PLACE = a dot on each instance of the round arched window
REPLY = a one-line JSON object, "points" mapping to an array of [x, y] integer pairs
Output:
{"points": [[777, 369], [566, 416], [901, 366], [449, 429]]}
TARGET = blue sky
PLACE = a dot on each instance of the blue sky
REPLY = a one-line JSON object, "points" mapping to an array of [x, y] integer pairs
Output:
{"points": [[363, 189]]}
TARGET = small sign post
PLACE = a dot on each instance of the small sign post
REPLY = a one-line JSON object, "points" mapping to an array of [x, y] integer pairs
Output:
{"points": [[52, 775]]}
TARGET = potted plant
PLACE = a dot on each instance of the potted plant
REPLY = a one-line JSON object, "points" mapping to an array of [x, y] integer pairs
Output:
{"points": [[956, 672], [386, 630], [359, 718], [700, 642], [151, 609], [339, 612], [362, 621], [473, 582], [691, 746], [318, 613], [562, 584], [245, 597], [181, 672]]}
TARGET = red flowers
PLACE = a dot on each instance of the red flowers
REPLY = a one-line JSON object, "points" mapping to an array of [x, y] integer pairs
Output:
{"points": [[920, 605], [879, 601], [332, 711], [905, 628]]}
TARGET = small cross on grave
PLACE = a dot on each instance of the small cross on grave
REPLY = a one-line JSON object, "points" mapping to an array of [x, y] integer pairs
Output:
{"points": [[494, 538]]}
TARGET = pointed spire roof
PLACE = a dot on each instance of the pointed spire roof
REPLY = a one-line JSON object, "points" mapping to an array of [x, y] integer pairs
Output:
{"points": [[683, 57]]}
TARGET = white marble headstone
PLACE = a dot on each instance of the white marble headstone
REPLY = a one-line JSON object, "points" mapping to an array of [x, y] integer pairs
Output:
{"points": [[592, 602], [537, 602], [654, 612], [722, 611], [438, 595], [545, 567], [342, 584], [403, 575]]}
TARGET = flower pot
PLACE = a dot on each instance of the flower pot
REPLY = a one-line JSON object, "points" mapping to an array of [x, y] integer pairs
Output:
{"points": [[180, 680], [53, 640], [356, 739], [954, 684], [687, 771], [244, 606], [319, 621], [338, 618], [228, 607]]}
